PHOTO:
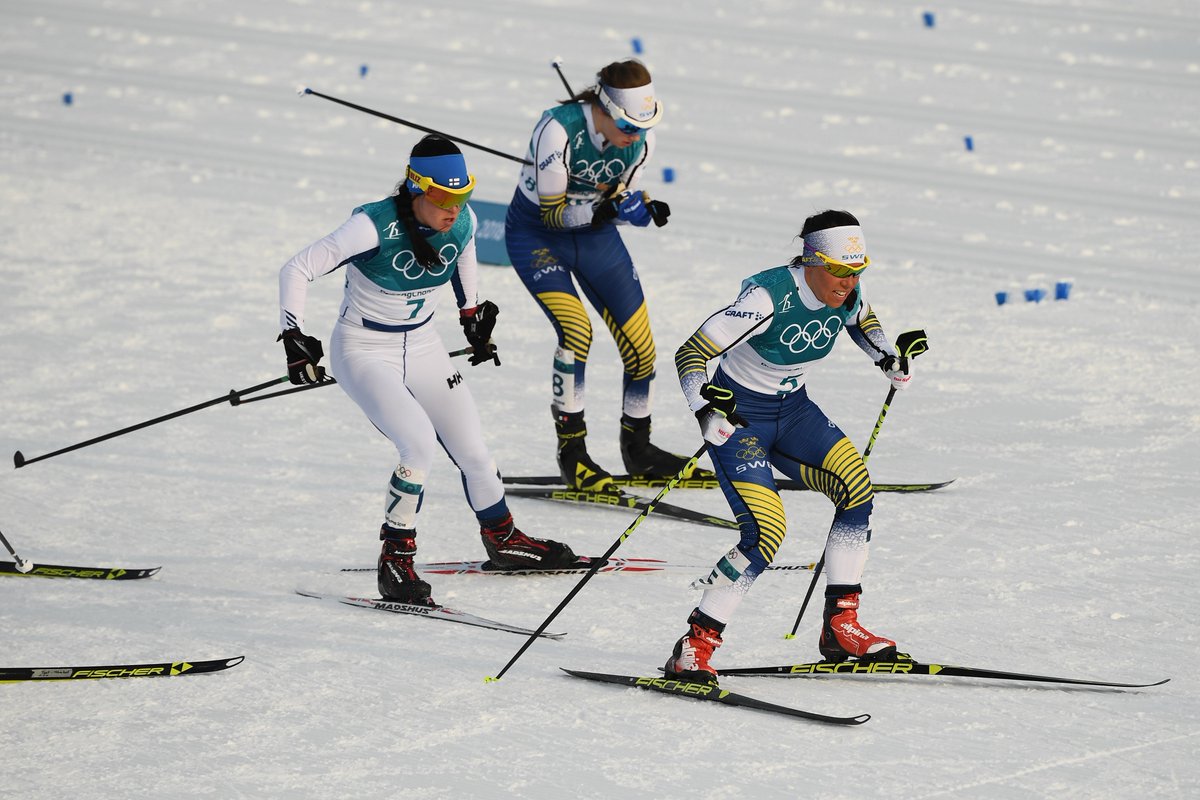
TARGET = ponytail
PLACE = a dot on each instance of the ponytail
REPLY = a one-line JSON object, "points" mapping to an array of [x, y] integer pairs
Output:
{"points": [[426, 256]]}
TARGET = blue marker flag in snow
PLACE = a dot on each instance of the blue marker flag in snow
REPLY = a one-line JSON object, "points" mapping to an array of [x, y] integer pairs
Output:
{"points": [[489, 238]]}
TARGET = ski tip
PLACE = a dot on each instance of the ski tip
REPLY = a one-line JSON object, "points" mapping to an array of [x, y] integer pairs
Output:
{"points": [[18, 460], [859, 719], [233, 662]]}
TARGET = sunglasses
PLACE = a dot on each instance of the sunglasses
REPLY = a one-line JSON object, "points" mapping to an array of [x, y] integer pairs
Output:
{"points": [[625, 124], [442, 196], [836, 268]]}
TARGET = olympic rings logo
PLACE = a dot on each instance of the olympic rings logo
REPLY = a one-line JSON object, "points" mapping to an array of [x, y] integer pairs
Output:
{"points": [[405, 262], [815, 334], [599, 171]]}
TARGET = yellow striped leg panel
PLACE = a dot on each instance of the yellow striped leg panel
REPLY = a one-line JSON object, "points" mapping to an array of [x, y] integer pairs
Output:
{"points": [[635, 342], [765, 510], [572, 319], [842, 477]]}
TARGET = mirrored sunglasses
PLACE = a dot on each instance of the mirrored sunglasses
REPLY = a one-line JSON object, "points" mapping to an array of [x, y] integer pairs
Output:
{"points": [[625, 124], [442, 196], [839, 269]]}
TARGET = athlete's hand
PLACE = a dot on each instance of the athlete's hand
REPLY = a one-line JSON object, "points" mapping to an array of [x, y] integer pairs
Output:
{"points": [[898, 369], [303, 353], [659, 211], [627, 206], [718, 417], [478, 324]]}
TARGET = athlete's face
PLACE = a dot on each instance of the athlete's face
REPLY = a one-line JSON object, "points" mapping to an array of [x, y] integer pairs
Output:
{"points": [[829, 289], [431, 216]]}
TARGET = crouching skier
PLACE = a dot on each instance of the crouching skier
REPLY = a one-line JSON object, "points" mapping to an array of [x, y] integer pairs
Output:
{"points": [[398, 253], [785, 320]]}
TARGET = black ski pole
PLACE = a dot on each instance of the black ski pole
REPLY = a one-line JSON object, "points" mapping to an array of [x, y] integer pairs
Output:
{"points": [[909, 344], [232, 398], [557, 64], [598, 563], [408, 124], [293, 390], [328, 382], [22, 565]]}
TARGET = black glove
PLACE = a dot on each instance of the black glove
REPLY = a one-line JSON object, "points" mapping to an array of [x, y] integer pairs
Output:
{"points": [[303, 353], [718, 419], [627, 206], [659, 211], [897, 370], [478, 324], [721, 401]]}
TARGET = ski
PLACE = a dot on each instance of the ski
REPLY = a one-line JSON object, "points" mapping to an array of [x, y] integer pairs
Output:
{"points": [[712, 692], [783, 484], [428, 612], [582, 565], [61, 571], [622, 500], [906, 668], [166, 669]]}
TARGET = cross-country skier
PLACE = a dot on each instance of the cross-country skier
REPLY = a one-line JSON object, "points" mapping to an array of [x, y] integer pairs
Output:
{"points": [[399, 252], [587, 156], [755, 414]]}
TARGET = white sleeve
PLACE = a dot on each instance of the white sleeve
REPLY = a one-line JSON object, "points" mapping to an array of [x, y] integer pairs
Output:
{"points": [[356, 236], [635, 174], [468, 267], [749, 314]]}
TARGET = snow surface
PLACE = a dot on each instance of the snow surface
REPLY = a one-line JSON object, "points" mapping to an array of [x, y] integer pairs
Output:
{"points": [[142, 229]]}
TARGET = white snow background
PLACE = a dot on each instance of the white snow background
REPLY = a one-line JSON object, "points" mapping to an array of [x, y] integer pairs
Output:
{"points": [[143, 226]]}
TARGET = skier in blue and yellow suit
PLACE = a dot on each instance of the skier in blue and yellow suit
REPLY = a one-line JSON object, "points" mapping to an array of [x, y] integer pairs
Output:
{"points": [[585, 158], [785, 320]]}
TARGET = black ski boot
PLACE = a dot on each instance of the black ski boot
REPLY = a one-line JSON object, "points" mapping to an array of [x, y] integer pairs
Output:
{"points": [[398, 580], [508, 548], [643, 459], [577, 468]]}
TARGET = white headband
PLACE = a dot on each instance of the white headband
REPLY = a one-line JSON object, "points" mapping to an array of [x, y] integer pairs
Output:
{"points": [[845, 244], [639, 103]]}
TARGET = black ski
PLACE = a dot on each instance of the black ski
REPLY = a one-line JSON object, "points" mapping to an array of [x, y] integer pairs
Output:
{"points": [[61, 571], [906, 668], [622, 500], [783, 484], [427, 612], [166, 669], [705, 691]]}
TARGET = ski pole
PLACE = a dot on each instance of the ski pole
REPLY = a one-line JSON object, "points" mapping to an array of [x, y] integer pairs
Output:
{"points": [[22, 564], [909, 344], [408, 124], [328, 382], [557, 64], [232, 398], [598, 563]]}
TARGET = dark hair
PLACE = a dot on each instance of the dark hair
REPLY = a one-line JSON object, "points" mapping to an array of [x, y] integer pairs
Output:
{"points": [[619, 75], [430, 145], [829, 218]]}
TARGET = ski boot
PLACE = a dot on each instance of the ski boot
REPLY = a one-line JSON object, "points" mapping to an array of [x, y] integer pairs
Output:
{"points": [[645, 460], [398, 580], [689, 659], [577, 468], [508, 548], [843, 638]]}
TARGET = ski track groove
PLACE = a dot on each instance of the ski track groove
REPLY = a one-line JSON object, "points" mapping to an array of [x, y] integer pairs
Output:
{"points": [[1002, 779]]}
